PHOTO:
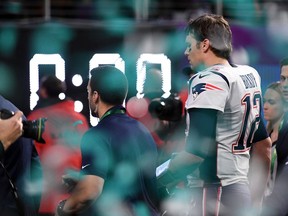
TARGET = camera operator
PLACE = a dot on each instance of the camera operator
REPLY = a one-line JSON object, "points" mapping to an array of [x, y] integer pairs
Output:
{"points": [[20, 167]]}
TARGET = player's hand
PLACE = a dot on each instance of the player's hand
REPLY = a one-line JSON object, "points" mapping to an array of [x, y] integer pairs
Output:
{"points": [[11, 129], [69, 183]]}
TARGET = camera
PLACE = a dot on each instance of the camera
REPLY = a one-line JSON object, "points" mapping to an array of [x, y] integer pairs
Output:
{"points": [[32, 129], [166, 108]]}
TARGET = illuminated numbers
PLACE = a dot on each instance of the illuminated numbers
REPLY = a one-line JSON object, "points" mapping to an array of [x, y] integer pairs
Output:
{"points": [[141, 71], [43, 59], [250, 123], [96, 61], [107, 59]]}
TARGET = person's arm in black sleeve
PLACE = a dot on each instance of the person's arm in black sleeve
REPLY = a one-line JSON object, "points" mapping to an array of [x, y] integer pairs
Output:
{"points": [[200, 143]]}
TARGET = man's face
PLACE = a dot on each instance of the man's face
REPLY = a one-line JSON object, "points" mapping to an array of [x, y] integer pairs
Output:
{"points": [[193, 52], [284, 81], [93, 101]]}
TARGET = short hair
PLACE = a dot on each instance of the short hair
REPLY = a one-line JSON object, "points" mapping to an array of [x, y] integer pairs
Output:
{"points": [[284, 62], [53, 86], [110, 83], [214, 28]]}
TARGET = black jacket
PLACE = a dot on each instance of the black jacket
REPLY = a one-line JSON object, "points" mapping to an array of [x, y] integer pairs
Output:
{"points": [[22, 164]]}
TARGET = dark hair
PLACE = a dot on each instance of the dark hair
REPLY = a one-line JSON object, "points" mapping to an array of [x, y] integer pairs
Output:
{"points": [[110, 83], [53, 85], [214, 28], [284, 62]]}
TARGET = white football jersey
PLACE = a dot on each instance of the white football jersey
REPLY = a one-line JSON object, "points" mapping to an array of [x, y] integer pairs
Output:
{"points": [[236, 93]]}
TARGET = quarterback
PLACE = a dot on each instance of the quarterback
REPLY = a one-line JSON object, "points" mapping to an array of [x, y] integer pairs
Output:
{"points": [[226, 136]]}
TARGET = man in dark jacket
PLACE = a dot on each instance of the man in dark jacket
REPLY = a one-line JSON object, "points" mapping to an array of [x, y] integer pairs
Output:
{"points": [[119, 156], [20, 168]]}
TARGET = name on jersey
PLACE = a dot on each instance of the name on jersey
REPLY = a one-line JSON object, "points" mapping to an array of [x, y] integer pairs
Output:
{"points": [[249, 80]]}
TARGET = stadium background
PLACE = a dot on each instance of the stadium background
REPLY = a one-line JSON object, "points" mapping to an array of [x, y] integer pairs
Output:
{"points": [[79, 29]]}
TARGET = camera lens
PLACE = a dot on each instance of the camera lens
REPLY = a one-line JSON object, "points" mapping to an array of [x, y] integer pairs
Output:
{"points": [[32, 129]]}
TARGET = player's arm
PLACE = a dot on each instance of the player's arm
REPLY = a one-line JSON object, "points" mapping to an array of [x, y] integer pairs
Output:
{"points": [[95, 162], [199, 145], [86, 191], [260, 164]]}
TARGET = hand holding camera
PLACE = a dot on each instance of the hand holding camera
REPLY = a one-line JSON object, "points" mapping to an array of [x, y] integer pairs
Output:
{"points": [[11, 130], [29, 129]]}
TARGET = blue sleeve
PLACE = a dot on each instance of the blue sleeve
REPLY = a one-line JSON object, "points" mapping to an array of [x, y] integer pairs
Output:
{"points": [[202, 132], [96, 156]]}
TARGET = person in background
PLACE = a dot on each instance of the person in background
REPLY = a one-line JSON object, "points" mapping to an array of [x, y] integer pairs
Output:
{"points": [[20, 167], [119, 156], [63, 132], [274, 109], [224, 108], [282, 145], [137, 108], [276, 203], [161, 113]]}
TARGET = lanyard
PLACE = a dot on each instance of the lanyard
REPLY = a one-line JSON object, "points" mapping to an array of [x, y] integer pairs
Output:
{"points": [[113, 111]]}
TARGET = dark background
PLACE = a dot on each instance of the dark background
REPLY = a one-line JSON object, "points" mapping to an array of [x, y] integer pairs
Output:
{"points": [[79, 29]]}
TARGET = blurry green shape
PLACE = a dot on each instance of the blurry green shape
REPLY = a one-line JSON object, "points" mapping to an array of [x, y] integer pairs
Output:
{"points": [[175, 37], [141, 209], [13, 7], [8, 39], [7, 85], [118, 16], [245, 11], [51, 38], [126, 174], [119, 26]]}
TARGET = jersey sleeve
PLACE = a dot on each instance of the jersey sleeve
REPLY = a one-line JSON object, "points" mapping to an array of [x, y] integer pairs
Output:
{"points": [[202, 132], [208, 90], [95, 154]]}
